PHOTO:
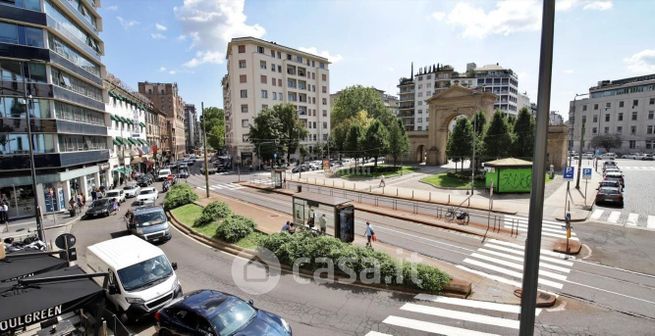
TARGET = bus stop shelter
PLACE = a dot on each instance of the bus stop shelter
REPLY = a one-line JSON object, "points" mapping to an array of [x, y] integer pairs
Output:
{"points": [[307, 204]]}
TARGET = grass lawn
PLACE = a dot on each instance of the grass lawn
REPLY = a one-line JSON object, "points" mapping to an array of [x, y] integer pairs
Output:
{"points": [[367, 172], [443, 180], [251, 241], [187, 214]]}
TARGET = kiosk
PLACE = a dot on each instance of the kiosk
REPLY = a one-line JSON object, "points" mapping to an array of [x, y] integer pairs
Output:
{"points": [[278, 177], [306, 205]]}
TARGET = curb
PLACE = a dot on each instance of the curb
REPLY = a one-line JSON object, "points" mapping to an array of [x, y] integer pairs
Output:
{"points": [[455, 288], [449, 188], [459, 228]]}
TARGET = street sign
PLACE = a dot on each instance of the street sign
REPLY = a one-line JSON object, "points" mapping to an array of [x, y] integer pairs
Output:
{"points": [[568, 173], [586, 173]]}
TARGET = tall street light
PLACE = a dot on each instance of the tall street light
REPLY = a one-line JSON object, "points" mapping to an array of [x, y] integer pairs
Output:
{"points": [[204, 145], [582, 131]]}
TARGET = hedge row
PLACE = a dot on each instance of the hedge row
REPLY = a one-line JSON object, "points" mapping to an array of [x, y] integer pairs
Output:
{"points": [[234, 228], [212, 212], [347, 259], [180, 194]]}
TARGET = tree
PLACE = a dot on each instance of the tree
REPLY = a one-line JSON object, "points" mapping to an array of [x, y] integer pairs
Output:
{"points": [[303, 153], [292, 130], [523, 144], [398, 141], [460, 141], [355, 99], [214, 123], [265, 134], [376, 140], [607, 141], [497, 139], [479, 121], [338, 136], [353, 142]]}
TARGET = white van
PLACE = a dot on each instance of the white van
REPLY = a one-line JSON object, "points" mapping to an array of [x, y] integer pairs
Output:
{"points": [[163, 174], [141, 279]]}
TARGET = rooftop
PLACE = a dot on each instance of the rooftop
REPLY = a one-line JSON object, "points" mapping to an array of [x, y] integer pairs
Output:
{"points": [[272, 44]]}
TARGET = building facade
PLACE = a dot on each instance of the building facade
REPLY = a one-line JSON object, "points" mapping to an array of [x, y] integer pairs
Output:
{"points": [[262, 74], [51, 80], [191, 130], [625, 107], [166, 98], [431, 80]]}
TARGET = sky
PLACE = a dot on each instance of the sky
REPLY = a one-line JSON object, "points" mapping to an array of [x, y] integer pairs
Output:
{"points": [[373, 42]]}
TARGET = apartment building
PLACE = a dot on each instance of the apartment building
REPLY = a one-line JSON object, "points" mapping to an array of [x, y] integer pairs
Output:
{"points": [[51, 79], [261, 74], [431, 80], [623, 106], [191, 129], [166, 98]]}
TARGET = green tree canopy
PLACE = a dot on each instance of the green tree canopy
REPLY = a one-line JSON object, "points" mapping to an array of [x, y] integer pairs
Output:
{"points": [[460, 141], [353, 142], [292, 130], [523, 144], [214, 123], [376, 140], [497, 139], [398, 141], [265, 134], [478, 122], [607, 141], [355, 99]]}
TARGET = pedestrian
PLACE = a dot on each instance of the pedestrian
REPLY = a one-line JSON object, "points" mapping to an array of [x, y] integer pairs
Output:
{"points": [[382, 184], [370, 234], [322, 223], [115, 206], [311, 220], [79, 200], [292, 228], [285, 227], [94, 195], [3, 212]]}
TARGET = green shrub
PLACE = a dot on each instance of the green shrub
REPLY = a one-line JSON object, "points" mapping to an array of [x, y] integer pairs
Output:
{"points": [[179, 195], [288, 248], [235, 228], [213, 211]]}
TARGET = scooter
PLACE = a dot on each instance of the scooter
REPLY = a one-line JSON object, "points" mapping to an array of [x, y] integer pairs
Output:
{"points": [[165, 186], [29, 244]]}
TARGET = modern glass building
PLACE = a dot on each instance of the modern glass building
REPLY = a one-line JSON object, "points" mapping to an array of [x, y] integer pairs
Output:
{"points": [[51, 79]]}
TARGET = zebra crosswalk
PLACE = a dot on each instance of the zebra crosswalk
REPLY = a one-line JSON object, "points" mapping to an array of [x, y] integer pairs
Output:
{"points": [[623, 218], [223, 186], [503, 262], [638, 168], [452, 316], [550, 230]]}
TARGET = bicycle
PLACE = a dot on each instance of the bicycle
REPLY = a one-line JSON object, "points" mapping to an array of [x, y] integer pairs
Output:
{"points": [[462, 217]]}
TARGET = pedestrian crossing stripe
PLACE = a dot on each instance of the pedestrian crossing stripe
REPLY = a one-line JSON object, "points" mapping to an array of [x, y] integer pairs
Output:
{"points": [[431, 327], [453, 314], [632, 219], [500, 307], [375, 333], [651, 222], [513, 274], [597, 214], [228, 186], [614, 217]]}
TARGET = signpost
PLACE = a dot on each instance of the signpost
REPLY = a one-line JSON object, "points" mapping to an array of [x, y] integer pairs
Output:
{"points": [[586, 175], [568, 230], [569, 173]]}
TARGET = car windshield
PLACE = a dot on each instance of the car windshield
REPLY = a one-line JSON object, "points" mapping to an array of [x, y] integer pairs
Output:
{"points": [[112, 193], [145, 274], [164, 172], [610, 191], [149, 218], [129, 187], [146, 191], [101, 202], [231, 316]]}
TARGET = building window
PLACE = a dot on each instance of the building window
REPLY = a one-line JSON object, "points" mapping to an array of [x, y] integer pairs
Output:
{"points": [[325, 113], [242, 64], [633, 130], [620, 117], [595, 119], [635, 103], [324, 89], [650, 144], [263, 79], [242, 49], [649, 129], [244, 93], [651, 114], [651, 101], [272, 67], [621, 103], [323, 77], [244, 108], [264, 93], [262, 65], [607, 117], [606, 130], [420, 94], [584, 107], [634, 115], [595, 106], [264, 106], [260, 50], [594, 130], [244, 123], [279, 82], [608, 105], [274, 95], [324, 102], [325, 126], [619, 129], [243, 78], [633, 144], [245, 138]]}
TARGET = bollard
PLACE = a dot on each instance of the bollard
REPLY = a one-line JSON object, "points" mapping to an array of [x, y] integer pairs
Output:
{"points": [[332, 183], [396, 191], [412, 193], [469, 202], [448, 198], [430, 197], [369, 188], [343, 184]]}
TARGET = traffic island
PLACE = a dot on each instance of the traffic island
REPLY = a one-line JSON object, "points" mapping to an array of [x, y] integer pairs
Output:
{"points": [[573, 248], [544, 300]]}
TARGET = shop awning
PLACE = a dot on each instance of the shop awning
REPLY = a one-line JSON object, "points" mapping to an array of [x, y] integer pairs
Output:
{"points": [[31, 304], [123, 170], [142, 124], [16, 266], [113, 117], [131, 141], [117, 142], [129, 121]]}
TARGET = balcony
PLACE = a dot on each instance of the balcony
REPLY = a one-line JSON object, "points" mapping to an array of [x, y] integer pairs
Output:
{"points": [[55, 58], [71, 96], [56, 160]]}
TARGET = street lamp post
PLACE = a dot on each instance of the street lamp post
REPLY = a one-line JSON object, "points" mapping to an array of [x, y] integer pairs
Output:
{"points": [[204, 145], [582, 131]]}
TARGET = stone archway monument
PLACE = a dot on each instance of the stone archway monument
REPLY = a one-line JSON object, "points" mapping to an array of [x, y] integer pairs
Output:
{"points": [[446, 106]]}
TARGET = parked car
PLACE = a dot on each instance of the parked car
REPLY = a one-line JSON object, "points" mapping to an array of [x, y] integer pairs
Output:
{"points": [[189, 162], [609, 195], [629, 156], [609, 163], [142, 203], [184, 173], [615, 175], [610, 184], [210, 312], [611, 170], [300, 168], [148, 223], [119, 194], [212, 169], [588, 156], [648, 157], [142, 181], [99, 208], [608, 156], [131, 190], [163, 174], [149, 193]]}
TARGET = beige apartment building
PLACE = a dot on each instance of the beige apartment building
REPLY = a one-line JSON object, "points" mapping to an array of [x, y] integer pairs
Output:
{"points": [[261, 74], [165, 97]]}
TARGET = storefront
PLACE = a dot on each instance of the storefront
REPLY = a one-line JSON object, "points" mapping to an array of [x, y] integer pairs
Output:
{"points": [[91, 183], [19, 199], [55, 199]]}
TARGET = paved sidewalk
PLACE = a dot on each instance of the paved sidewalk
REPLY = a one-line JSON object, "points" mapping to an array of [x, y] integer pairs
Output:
{"points": [[556, 205], [270, 221], [53, 225]]}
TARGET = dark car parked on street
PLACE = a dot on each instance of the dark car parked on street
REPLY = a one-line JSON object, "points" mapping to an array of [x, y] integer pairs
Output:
{"points": [[609, 195], [99, 208], [143, 181], [610, 184], [209, 312]]}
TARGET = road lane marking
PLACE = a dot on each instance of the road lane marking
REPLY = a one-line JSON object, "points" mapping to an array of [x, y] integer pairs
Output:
{"points": [[432, 327], [519, 259], [614, 217], [491, 276], [632, 219], [597, 213], [514, 274], [651, 222], [501, 307], [459, 315], [517, 266]]}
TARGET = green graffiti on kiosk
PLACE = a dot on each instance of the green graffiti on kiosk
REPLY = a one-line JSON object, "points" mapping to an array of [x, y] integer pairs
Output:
{"points": [[508, 180]]}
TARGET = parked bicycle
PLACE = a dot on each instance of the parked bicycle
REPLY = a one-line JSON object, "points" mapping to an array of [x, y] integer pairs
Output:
{"points": [[460, 216]]}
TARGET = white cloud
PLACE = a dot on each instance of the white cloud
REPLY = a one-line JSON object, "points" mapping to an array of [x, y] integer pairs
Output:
{"points": [[313, 50], [158, 36], [162, 68], [160, 27], [210, 24], [126, 24], [642, 62], [508, 16], [111, 8], [172, 72], [202, 57], [599, 5]]}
